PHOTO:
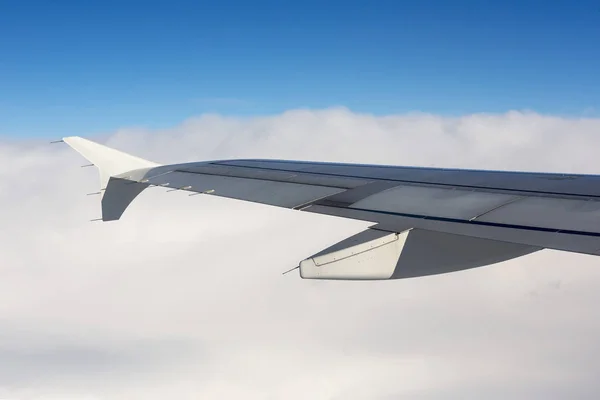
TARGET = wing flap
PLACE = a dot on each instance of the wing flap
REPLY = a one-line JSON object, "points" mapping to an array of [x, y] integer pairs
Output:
{"points": [[435, 201], [544, 212], [565, 241]]}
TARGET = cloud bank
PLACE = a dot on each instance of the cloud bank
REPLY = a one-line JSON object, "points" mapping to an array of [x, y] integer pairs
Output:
{"points": [[183, 298]]}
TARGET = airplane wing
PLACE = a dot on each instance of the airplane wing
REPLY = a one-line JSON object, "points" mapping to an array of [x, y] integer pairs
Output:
{"points": [[426, 221]]}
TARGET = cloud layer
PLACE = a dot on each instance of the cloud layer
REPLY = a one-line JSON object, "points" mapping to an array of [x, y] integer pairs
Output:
{"points": [[183, 298]]}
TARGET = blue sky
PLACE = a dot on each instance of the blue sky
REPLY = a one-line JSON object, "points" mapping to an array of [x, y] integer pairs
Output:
{"points": [[79, 67]]}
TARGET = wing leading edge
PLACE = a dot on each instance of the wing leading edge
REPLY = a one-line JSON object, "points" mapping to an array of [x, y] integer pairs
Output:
{"points": [[427, 221]]}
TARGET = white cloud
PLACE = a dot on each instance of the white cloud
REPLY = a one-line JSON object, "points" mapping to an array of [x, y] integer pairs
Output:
{"points": [[183, 298]]}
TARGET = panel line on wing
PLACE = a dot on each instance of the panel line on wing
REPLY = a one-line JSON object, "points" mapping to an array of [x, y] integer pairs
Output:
{"points": [[547, 175], [300, 207], [482, 223], [511, 201], [287, 180], [423, 183], [351, 196], [396, 223]]}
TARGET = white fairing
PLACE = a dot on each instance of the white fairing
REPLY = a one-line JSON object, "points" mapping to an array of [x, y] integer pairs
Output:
{"points": [[373, 260], [376, 255]]}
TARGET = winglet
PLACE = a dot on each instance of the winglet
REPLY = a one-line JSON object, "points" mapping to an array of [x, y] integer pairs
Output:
{"points": [[112, 164]]}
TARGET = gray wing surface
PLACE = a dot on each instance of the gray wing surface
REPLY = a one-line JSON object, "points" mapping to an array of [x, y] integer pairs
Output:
{"points": [[426, 221], [532, 208]]}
